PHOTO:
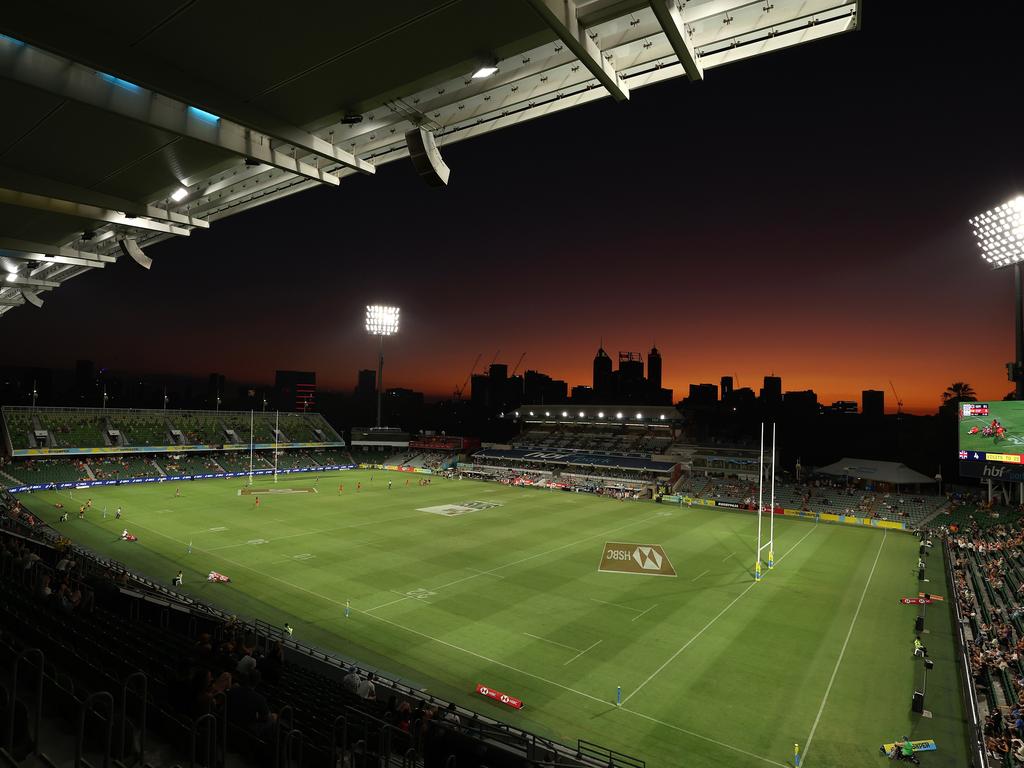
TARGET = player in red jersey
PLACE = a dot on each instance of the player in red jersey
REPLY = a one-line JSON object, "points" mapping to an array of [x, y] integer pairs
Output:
{"points": [[341, 488], [359, 486], [257, 502]]}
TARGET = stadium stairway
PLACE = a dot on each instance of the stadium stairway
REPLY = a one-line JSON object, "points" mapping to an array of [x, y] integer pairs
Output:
{"points": [[10, 480]]}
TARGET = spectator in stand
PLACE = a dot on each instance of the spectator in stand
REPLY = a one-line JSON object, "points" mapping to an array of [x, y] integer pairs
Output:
{"points": [[247, 708], [351, 681], [366, 689]]}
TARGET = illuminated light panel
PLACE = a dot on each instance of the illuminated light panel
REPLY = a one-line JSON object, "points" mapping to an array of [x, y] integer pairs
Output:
{"points": [[1000, 233], [203, 115], [382, 320], [128, 86], [484, 72], [179, 194]]}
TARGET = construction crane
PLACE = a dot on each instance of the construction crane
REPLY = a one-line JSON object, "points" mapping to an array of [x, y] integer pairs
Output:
{"points": [[899, 403], [460, 390], [495, 356], [518, 363]]}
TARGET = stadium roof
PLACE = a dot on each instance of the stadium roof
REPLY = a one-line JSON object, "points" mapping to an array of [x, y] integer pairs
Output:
{"points": [[882, 471], [142, 121]]}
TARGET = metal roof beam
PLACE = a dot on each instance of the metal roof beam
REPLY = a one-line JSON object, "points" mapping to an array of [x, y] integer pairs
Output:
{"points": [[40, 185], [671, 21], [12, 279], [562, 16], [46, 259], [28, 246], [40, 69], [11, 302], [82, 211]]}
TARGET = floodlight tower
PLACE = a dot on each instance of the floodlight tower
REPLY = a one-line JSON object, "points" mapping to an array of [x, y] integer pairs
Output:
{"points": [[1000, 236], [381, 321]]}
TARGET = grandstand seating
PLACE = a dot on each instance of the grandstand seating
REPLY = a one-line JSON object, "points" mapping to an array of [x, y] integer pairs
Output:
{"points": [[19, 426], [122, 466], [87, 428], [42, 471]]}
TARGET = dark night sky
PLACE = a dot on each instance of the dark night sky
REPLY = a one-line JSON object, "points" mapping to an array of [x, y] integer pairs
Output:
{"points": [[803, 213]]}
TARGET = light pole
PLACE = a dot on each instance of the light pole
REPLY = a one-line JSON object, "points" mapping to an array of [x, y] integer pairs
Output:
{"points": [[1000, 236], [381, 321]]}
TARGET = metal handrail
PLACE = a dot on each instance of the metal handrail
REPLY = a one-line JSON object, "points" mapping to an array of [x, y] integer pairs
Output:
{"points": [[289, 742], [211, 735], [142, 695], [23, 656], [89, 705]]}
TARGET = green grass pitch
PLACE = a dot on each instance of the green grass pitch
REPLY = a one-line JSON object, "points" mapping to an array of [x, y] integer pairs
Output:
{"points": [[715, 670]]}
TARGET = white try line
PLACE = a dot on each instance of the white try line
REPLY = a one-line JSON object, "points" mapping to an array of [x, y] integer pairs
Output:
{"points": [[617, 605], [703, 573], [570, 661], [707, 626], [544, 639], [643, 612], [842, 651]]}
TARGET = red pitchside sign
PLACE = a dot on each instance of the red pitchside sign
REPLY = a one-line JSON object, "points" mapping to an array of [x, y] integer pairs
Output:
{"points": [[916, 600], [504, 698]]}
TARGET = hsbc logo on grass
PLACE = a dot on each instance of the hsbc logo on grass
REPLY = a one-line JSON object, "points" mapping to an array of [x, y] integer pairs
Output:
{"points": [[645, 559]]}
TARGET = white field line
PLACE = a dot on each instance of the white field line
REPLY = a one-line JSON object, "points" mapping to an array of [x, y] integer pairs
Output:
{"points": [[707, 626], [570, 661], [728, 556], [484, 573], [703, 573], [489, 660], [842, 651], [385, 605], [544, 639], [616, 605], [643, 612]]}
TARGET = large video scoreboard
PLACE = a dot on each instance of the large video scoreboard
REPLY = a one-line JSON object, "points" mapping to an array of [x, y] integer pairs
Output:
{"points": [[992, 433]]}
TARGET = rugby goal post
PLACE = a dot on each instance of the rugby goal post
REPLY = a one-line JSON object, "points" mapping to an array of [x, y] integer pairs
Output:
{"points": [[770, 543]]}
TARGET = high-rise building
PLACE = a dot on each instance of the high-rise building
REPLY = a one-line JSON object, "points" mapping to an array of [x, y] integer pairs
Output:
{"points": [[772, 391], [295, 390], [872, 403], [654, 370], [704, 394], [727, 386], [602, 377]]}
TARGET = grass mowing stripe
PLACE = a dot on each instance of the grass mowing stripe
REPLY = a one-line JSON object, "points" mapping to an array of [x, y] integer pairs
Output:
{"points": [[703, 629], [842, 652]]}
